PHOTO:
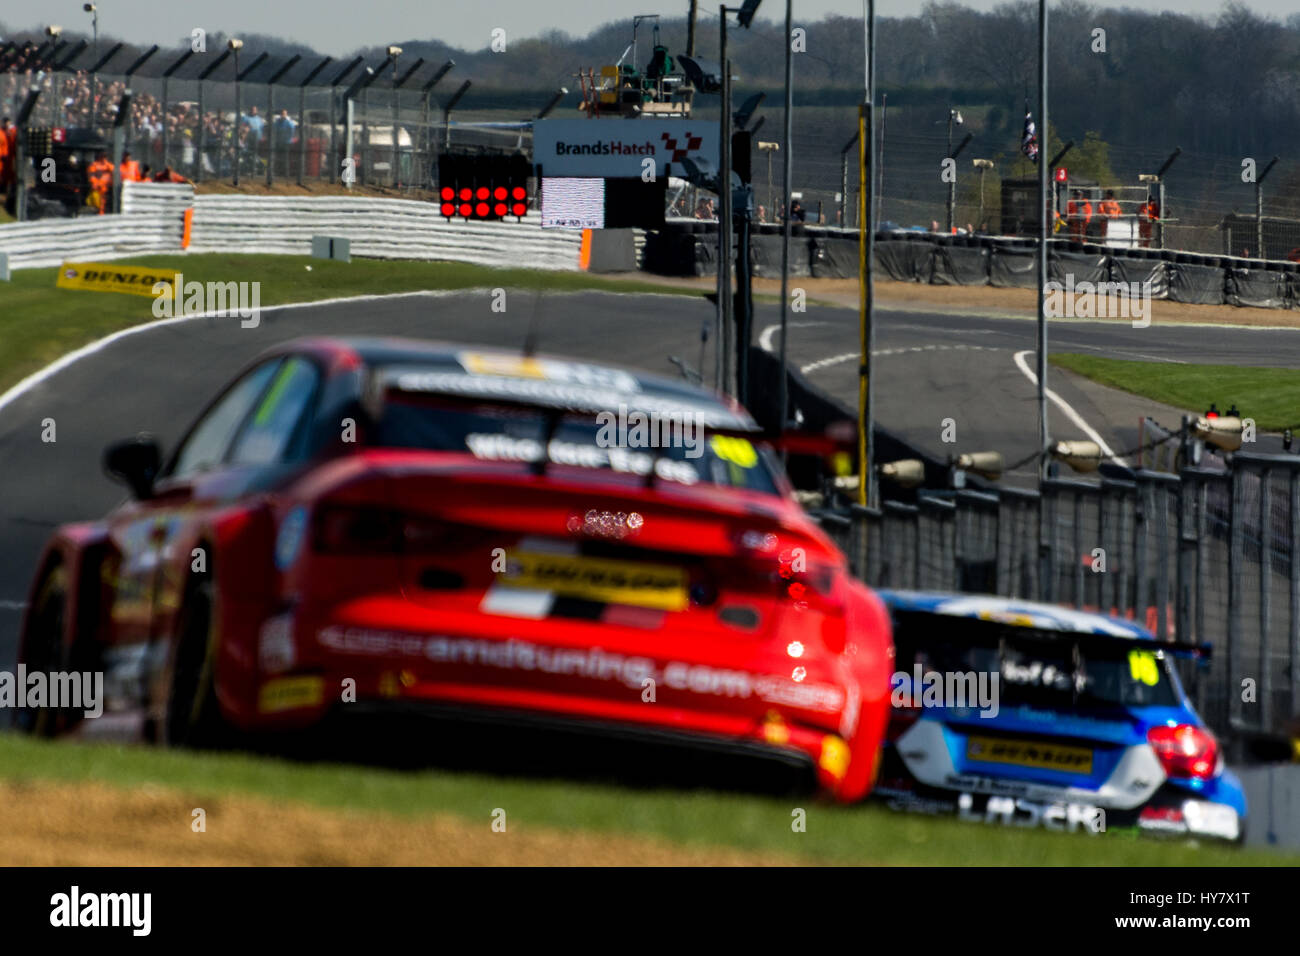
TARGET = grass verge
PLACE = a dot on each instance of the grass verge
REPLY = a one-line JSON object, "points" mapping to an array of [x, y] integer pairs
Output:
{"points": [[856, 835], [39, 322], [1271, 396]]}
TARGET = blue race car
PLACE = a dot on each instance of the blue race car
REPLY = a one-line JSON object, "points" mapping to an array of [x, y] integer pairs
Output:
{"points": [[1008, 711]]}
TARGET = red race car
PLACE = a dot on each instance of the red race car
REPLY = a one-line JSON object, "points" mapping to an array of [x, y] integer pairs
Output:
{"points": [[374, 525]]}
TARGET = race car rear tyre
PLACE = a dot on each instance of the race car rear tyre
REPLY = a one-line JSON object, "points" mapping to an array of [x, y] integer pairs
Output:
{"points": [[193, 715], [46, 651]]}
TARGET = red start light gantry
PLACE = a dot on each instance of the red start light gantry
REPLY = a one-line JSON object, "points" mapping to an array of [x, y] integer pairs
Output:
{"points": [[483, 186]]}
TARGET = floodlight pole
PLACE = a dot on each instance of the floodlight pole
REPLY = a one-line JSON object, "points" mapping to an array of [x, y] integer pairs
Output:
{"points": [[726, 335], [1045, 584], [783, 390], [867, 488], [1043, 226]]}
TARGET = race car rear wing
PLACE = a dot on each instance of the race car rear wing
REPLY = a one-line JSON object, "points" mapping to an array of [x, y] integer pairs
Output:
{"points": [[982, 628]]}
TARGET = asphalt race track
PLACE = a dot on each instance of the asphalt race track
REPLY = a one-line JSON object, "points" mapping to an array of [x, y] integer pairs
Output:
{"points": [[930, 367]]}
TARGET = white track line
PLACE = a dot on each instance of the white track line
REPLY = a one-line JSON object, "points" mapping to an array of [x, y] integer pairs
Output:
{"points": [[1065, 407], [49, 371], [765, 340], [850, 356]]}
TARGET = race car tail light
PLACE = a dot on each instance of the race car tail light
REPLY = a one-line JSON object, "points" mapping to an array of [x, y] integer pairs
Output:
{"points": [[812, 586], [348, 529], [356, 530], [1186, 751]]}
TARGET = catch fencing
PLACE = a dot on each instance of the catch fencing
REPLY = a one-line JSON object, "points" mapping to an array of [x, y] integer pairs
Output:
{"points": [[689, 247], [1206, 557], [268, 119]]}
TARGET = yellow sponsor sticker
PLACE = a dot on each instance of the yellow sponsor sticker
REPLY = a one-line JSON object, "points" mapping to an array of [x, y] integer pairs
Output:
{"points": [[599, 579], [1142, 667], [1026, 753], [290, 693], [106, 277], [479, 363], [738, 451]]}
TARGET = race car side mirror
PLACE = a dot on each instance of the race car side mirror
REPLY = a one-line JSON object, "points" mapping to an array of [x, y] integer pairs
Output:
{"points": [[136, 463]]}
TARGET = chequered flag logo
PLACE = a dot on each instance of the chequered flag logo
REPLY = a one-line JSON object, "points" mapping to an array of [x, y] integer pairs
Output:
{"points": [[679, 152]]}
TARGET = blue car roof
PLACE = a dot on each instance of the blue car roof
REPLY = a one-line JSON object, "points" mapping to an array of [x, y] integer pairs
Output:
{"points": [[1013, 611]]}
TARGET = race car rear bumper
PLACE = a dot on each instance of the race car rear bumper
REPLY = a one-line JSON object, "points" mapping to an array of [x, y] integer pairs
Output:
{"points": [[1169, 812]]}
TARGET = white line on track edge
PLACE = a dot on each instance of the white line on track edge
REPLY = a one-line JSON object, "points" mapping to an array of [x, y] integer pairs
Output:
{"points": [[1065, 407], [49, 371]]}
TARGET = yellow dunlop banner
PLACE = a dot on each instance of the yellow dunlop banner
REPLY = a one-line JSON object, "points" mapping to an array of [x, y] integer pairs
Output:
{"points": [[97, 277]]}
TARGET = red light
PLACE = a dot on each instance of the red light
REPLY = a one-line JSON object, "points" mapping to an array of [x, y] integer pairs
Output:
{"points": [[466, 193], [448, 192], [481, 210], [499, 192], [499, 209], [519, 209], [1185, 751], [466, 209], [482, 193], [519, 192], [448, 209], [1061, 175]]}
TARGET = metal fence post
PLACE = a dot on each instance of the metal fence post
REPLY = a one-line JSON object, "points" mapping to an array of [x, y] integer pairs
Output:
{"points": [[1293, 580], [1077, 557], [1235, 548], [1265, 599], [1160, 490], [1141, 535]]}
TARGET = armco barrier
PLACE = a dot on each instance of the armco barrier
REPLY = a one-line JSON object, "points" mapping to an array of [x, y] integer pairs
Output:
{"points": [[688, 247], [152, 221], [377, 228], [50, 242]]}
